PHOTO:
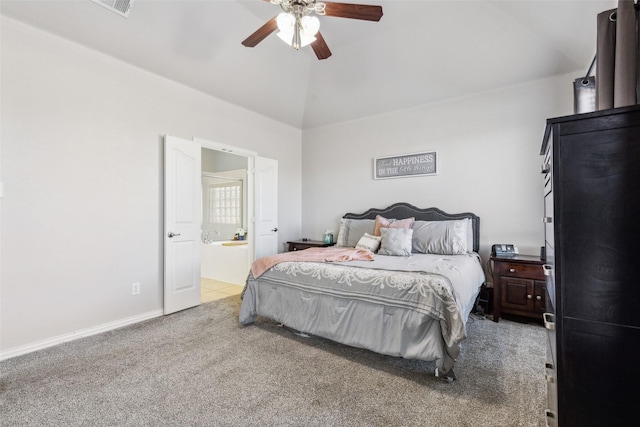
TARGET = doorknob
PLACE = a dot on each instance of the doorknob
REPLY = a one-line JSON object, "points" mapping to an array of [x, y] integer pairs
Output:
{"points": [[274, 229], [172, 234]]}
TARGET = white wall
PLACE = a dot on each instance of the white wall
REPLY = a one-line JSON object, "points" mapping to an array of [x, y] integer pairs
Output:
{"points": [[489, 164], [82, 168]]}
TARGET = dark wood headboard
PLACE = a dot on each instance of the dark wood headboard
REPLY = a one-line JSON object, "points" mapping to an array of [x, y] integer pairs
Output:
{"points": [[405, 210]]}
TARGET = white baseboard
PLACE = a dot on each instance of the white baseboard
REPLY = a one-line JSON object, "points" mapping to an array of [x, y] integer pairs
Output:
{"points": [[50, 342]]}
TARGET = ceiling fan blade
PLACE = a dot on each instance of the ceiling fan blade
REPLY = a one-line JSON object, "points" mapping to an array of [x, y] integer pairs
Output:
{"points": [[261, 33], [353, 11], [320, 47]]}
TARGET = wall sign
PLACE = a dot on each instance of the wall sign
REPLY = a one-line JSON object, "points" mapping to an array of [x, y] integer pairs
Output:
{"points": [[417, 164]]}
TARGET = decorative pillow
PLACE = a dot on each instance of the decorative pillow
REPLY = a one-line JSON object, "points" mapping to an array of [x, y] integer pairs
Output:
{"points": [[395, 241], [351, 230], [441, 237], [369, 242], [382, 222]]}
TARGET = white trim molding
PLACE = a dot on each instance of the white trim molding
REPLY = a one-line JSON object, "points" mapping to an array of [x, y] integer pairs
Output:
{"points": [[204, 143], [50, 342]]}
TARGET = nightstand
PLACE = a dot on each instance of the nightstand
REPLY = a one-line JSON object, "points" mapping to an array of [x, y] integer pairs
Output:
{"points": [[298, 245], [518, 286]]}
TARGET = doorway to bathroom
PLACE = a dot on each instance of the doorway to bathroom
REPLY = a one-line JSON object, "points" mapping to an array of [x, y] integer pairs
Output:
{"points": [[183, 237], [224, 261]]}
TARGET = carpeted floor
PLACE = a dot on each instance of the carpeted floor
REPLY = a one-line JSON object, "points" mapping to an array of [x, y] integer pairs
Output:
{"points": [[199, 367]]}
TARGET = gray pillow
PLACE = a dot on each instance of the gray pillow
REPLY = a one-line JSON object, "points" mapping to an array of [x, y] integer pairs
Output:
{"points": [[395, 241], [442, 237], [351, 230]]}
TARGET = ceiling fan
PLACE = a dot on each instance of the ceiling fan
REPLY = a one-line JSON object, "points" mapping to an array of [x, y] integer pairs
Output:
{"points": [[298, 28]]}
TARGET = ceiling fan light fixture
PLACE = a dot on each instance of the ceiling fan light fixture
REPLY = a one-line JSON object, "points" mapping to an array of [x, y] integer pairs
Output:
{"points": [[297, 31], [289, 38], [310, 25], [285, 22]]}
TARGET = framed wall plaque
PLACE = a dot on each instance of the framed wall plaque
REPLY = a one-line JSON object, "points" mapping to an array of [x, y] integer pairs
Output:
{"points": [[406, 165]]}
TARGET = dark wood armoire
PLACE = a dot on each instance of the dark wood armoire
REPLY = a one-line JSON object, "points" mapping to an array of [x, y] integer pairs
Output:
{"points": [[591, 171]]}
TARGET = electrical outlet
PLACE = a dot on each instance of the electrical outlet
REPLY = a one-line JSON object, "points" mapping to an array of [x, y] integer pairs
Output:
{"points": [[135, 288]]}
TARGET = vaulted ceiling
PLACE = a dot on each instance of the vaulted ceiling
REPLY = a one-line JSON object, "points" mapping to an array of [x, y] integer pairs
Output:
{"points": [[421, 51]]}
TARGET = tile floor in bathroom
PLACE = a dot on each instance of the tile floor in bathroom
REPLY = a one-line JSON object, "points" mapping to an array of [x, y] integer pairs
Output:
{"points": [[211, 290]]}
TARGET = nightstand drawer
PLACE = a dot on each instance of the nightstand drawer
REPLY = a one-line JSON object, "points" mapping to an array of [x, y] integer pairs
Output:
{"points": [[522, 270]]}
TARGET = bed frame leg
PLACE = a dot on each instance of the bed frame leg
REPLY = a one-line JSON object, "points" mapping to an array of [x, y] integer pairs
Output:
{"points": [[448, 377], [298, 333]]}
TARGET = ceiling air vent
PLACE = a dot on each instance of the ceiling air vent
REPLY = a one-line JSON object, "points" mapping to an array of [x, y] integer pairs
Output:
{"points": [[121, 7]]}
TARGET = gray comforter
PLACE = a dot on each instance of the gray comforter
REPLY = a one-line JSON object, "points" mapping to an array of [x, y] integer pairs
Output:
{"points": [[413, 307]]}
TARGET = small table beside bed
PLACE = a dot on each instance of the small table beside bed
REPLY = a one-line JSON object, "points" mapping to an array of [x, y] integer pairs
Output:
{"points": [[401, 281]]}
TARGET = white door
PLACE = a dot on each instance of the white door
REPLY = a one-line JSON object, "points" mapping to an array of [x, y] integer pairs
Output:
{"points": [[182, 222], [266, 206]]}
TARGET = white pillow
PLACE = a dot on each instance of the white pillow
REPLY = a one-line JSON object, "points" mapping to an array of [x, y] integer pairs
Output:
{"points": [[441, 237], [395, 241], [369, 242], [351, 230]]}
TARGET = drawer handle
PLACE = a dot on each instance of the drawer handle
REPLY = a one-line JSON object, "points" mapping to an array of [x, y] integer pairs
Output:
{"points": [[547, 219], [538, 297], [548, 269], [549, 413], [548, 365], [529, 297], [545, 168], [512, 270], [549, 321]]}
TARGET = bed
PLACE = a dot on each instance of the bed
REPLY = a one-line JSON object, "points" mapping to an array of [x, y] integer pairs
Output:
{"points": [[408, 296]]}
